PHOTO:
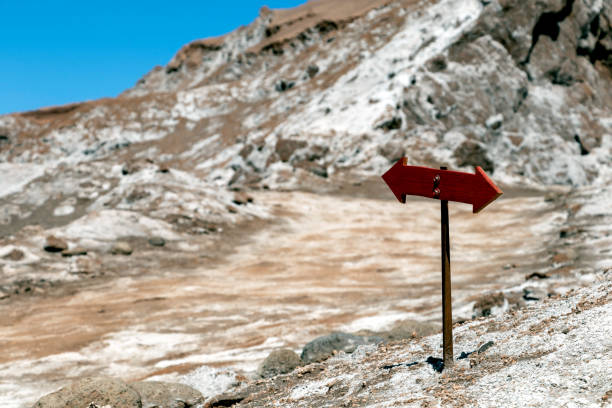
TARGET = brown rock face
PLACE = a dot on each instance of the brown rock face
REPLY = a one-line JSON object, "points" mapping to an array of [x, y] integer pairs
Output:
{"points": [[97, 390]]}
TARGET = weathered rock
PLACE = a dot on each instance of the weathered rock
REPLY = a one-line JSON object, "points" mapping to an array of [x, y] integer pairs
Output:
{"points": [[279, 362], [14, 255], [100, 391], [76, 251], [55, 244], [324, 347], [156, 394], [121, 248], [157, 241]]}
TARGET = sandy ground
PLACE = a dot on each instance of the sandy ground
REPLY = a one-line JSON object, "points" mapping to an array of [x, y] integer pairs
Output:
{"points": [[334, 262]]}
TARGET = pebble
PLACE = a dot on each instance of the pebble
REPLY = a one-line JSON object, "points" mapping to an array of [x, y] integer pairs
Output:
{"points": [[121, 248]]}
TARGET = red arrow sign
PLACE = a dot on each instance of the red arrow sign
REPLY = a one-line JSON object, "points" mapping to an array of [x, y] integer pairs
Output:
{"points": [[476, 189]]}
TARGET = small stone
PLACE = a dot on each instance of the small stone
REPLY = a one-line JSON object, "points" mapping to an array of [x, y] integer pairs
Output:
{"points": [[157, 241], [435, 363], [76, 251], [54, 244], [14, 255], [121, 248], [312, 70], [485, 347], [279, 362]]}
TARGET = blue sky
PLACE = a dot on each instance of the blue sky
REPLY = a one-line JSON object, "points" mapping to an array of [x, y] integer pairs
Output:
{"points": [[57, 52]]}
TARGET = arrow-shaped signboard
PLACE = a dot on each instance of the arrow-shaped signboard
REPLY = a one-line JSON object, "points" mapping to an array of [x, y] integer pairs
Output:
{"points": [[476, 189]]}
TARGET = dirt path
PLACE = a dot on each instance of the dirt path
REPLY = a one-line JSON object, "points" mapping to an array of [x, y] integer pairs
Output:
{"points": [[332, 263]]}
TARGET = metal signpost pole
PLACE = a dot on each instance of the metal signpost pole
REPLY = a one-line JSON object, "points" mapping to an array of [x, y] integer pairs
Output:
{"points": [[447, 310]]}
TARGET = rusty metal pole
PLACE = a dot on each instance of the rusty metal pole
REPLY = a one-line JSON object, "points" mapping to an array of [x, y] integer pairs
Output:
{"points": [[447, 310]]}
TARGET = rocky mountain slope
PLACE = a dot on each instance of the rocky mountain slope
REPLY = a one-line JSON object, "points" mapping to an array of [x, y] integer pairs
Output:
{"points": [[193, 162]]}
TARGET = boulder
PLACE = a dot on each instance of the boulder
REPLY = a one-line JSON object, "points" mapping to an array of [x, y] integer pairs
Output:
{"points": [[279, 362], [121, 248], [156, 394], [100, 391], [324, 347], [55, 244]]}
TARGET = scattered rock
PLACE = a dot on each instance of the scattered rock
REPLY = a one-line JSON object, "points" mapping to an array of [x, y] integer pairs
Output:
{"points": [[480, 350], [312, 70], [157, 241], [279, 362], [487, 303], [121, 248], [390, 124], [324, 347], [54, 244], [92, 390], [76, 251], [156, 394], [435, 363], [85, 266], [485, 347], [14, 255], [282, 85]]}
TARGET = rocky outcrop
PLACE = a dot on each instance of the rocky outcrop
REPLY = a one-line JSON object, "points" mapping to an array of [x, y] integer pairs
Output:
{"points": [[101, 391], [324, 347], [279, 362], [157, 394]]}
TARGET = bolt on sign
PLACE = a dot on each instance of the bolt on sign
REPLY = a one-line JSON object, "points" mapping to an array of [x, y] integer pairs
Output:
{"points": [[444, 185]]}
